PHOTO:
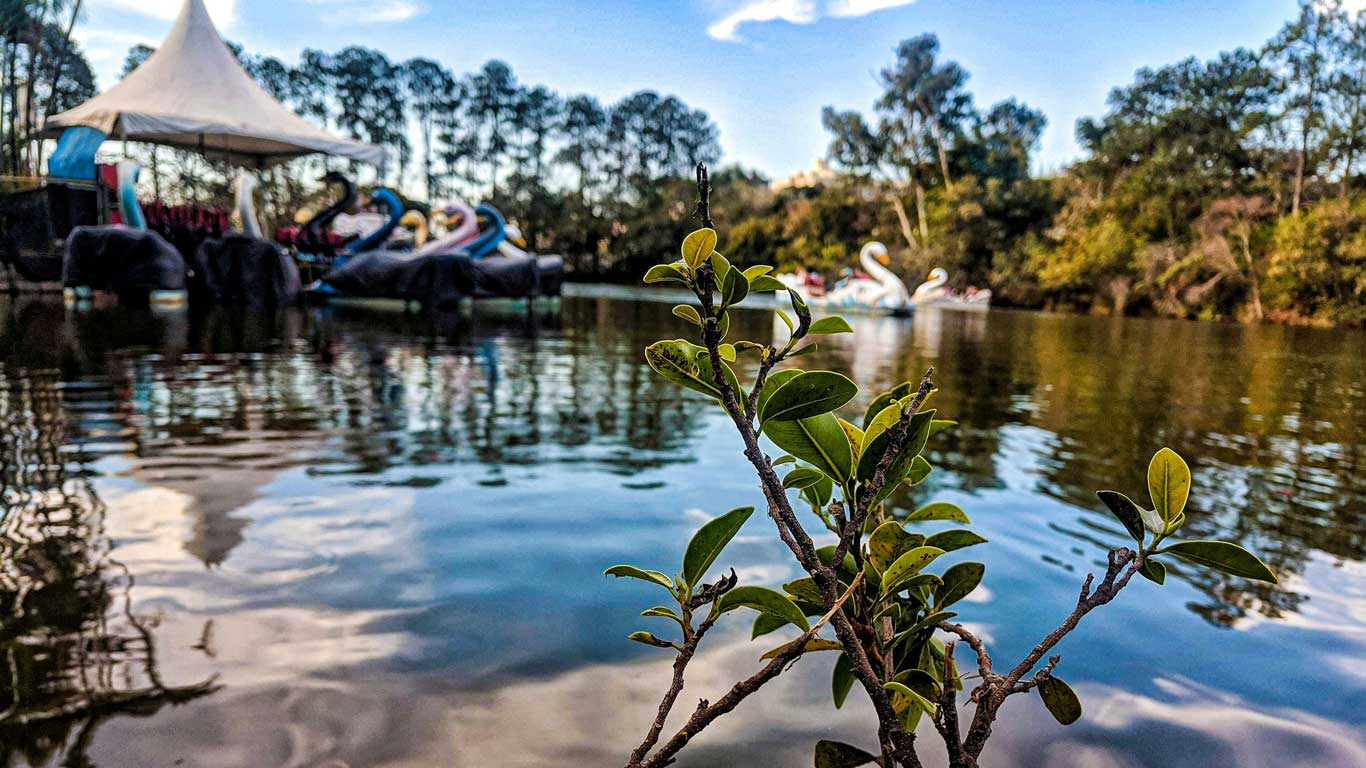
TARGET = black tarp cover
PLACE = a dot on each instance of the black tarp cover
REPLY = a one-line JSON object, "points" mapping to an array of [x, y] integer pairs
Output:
{"points": [[32, 221], [441, 280], [241, 270], [127, 262]]}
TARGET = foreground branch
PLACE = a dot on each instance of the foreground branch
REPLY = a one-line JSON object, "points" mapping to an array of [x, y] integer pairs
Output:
{"points": [[706, 713]]}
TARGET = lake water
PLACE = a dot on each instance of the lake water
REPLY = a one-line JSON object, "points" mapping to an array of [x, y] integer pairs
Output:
{"points": [[330, 539]]}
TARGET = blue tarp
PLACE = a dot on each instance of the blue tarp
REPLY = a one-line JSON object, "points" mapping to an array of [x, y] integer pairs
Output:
{"points": [[75, 155]]}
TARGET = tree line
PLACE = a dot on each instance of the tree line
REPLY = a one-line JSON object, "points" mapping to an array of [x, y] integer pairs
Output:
{"points": [[41, 73], [1228, 188]]}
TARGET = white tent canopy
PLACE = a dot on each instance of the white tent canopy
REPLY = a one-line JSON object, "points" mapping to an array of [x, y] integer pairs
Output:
{"points": [[192, 93]]}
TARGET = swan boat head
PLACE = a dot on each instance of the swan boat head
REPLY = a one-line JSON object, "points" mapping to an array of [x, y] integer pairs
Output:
{"points": [[129, 209], [246, 204]]}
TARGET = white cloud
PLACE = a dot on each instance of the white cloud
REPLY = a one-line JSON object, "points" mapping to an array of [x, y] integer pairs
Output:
{"points": [[797, 12], [862, 7], [398, 10], [348, 12], [793, 11], [223, 12]]}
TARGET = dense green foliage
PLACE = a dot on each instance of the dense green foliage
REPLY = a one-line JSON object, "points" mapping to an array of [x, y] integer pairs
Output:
{"points": [[888, 613]]}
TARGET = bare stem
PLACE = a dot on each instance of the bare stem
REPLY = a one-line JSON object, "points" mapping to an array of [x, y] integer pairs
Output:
{"points": [[707, 712]]}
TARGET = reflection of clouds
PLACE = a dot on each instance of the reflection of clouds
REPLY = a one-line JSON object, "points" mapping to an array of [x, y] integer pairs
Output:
{"points": [[1241, 733], [1334, 602], [577, 724], [593, 715], [282, 645]]}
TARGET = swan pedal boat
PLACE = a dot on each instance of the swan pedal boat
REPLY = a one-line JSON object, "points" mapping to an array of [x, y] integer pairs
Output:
{"points": [[881, 293]]}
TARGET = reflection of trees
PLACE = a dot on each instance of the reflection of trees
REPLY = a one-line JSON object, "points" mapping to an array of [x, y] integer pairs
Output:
{"points": [[1270, 419], [72, 650], [506, 398], [217, 410]]}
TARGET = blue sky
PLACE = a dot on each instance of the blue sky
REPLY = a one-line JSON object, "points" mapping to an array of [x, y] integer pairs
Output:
{"points": [[762, 68]]}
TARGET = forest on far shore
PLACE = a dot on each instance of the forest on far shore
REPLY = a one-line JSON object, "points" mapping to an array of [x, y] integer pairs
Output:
{"points": [[1233, 188]]}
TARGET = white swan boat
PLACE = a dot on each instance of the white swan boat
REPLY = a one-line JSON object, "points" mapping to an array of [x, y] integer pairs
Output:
{"points": [[881, 293], [933, 294]]}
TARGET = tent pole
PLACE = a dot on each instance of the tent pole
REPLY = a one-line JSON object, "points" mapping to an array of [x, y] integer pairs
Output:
{"points": [[123, 133]]}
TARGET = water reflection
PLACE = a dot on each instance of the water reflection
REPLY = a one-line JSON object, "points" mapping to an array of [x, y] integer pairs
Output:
{"points": [[1270, 419], [73, 651], [345, 515]]}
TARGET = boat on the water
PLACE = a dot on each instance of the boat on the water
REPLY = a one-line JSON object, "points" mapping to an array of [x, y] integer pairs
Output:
{"points": [[934, 293], [443, 274], [879, 291]]}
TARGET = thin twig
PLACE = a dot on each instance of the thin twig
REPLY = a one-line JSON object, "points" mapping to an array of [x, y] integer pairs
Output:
{"points": [[707, 712]]}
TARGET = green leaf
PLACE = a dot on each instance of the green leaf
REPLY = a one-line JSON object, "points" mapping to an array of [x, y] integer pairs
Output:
{"points": [[802, 351], [757, 270], [814, 644], [1153, 571], [648, 638], [678, 362], [802, 477], [939, 510], [1223, 556], [688, 313], [841, 680], [803, 313], [835, 754], [786, 458], [828, 326], [907, 566], [632, 572], [735, 287], [721, 266], [807, 394], [1169, 483], [710, 539], [661, 273], [957, 538], [1060, 699], [723, 326], [818, 494], [931, 620], [748, 346], [959, 581], [900, 391], [698, 246], [663, 613], [726, 351], [877, 440], [805, 589], [765, 623], [775, 382], [855, 436], [939, 425], [847, 569], [818, 441], [889, 542], [920, 681], [764, 600], [924, 704], [1125, 511], [1152, 520], [781, 314], [920, 469], [765, 284]]}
